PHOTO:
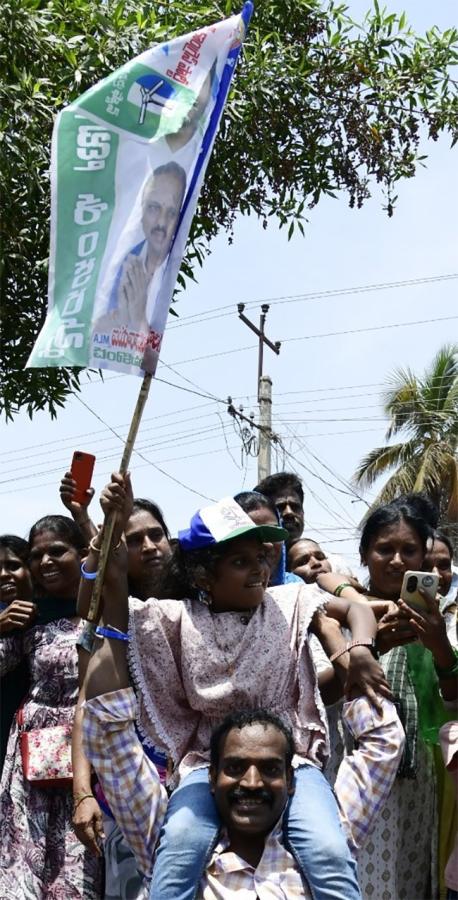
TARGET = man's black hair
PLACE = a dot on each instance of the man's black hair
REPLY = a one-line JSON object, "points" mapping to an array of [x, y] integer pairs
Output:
{"points": [[274, 485], [252, 500], [249, 717]]}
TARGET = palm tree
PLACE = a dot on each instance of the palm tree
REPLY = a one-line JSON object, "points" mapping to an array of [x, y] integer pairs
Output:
{"points": [[425, 409]]}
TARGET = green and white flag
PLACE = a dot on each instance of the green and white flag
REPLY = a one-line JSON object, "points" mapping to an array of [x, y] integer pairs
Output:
{"points": [[127, 164]]}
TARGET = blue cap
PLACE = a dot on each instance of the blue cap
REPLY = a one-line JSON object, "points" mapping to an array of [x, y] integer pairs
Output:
{"points": [[225, 521]]}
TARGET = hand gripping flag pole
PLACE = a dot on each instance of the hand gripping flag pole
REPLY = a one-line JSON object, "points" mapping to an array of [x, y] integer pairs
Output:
{"points": [[110, 519], [128, 161]]}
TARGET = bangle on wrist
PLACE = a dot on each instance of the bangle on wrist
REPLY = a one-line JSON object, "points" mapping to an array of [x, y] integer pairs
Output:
{"points": [[110, 632], [78, 798], [338, 653], [341, 587], [349, 646], [88, 576], [99, 549]]}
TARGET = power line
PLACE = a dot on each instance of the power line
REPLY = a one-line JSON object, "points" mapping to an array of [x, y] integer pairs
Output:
{"points": [[76, 437], [340, 387], [310, 337], [309, 419], [310, 471], [315, 496], [325, 482], [202, 317], [108, 473], [247, 398], [336, 475], [163, 472], [95, 444], [198, 390], [185, 438], [181, 435]]}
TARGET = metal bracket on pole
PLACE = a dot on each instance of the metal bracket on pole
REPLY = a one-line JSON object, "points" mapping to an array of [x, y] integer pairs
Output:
{"points": [[264, 389], [259, 332]]}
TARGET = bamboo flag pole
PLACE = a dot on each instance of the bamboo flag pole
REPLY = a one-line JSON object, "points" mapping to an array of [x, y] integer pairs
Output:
{"points": [[109, 522]]}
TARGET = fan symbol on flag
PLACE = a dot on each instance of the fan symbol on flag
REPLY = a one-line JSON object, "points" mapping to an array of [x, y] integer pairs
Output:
{"points": [[154, 91]]}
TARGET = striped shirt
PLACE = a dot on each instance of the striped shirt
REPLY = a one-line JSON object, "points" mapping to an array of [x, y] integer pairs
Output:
{"points": [[138, 800]]}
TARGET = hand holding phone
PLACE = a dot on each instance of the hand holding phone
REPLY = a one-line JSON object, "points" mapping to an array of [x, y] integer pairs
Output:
{"points": [[426, 620], [413, 582], [81, 471]]}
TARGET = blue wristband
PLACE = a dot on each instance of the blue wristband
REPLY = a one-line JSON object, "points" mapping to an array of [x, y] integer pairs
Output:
{"points": [[88, 576], [110, 632]]}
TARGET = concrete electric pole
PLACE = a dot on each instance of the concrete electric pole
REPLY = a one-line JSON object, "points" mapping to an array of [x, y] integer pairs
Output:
{"points": [[264, 390], [265, 421]]}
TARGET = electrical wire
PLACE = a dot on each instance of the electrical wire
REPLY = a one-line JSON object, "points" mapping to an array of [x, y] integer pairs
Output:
{"points": [[314, 474], [248, 398], [215, 313], [158, 468], [310, 337], [185, 439], [328, 484], [134, 468], [95, 445]]}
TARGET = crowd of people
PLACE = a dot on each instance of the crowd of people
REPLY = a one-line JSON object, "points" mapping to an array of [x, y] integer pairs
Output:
{"points": [[246, 718]]}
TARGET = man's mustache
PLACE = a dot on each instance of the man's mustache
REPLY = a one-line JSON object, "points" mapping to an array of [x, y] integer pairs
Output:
{"points": [[239, 794]]}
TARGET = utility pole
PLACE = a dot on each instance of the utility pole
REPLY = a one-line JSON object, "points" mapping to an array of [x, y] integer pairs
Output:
{"points": [[265, 421], [264, 390]]}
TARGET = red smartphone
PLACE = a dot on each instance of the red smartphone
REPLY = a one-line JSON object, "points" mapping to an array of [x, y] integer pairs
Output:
{"points": [[81, 470]]}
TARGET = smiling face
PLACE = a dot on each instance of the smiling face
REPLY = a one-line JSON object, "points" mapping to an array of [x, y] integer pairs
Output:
{"points": [[15, 580], [439, 561], [55, 565], [147, 552], [307, 560], [240, 577], [392, 550], [161, 203], [265, 517], [290, 508], [252, 782]]}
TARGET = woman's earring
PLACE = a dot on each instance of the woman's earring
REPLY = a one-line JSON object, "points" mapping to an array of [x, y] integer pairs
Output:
{"points": [[205, 597]]}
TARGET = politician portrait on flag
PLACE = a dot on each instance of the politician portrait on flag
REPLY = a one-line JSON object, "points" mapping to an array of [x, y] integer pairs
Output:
{"points": [[127, 165], [133, 281]]}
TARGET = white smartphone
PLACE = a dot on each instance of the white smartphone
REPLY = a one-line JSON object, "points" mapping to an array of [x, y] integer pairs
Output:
{"points": [[411, 583]]}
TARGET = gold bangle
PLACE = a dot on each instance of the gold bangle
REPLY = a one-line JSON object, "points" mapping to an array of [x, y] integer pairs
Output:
{"points": [[99, 549], [78, 798]]}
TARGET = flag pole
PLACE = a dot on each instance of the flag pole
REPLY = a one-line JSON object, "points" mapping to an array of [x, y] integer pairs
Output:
{"points": [[109, 522]]}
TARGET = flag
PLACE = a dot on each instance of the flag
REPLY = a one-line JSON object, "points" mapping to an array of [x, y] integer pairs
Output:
{"points": [[128, 160]]}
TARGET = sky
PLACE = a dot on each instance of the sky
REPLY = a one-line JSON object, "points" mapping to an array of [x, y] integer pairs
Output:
{"points": [[340, 343]]}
